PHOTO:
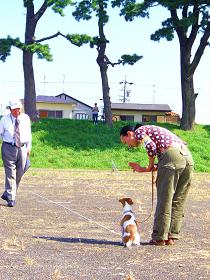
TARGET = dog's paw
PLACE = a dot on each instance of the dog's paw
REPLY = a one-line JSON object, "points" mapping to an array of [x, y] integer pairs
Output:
{"points": [[136, 244], [128, 247], [128, 244]]}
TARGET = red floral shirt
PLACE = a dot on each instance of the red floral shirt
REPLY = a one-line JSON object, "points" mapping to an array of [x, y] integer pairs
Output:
{"points": [[159, 139]]}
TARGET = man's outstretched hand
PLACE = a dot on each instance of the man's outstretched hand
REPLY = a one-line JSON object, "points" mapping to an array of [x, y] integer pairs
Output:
{"points": [[136, 167]]}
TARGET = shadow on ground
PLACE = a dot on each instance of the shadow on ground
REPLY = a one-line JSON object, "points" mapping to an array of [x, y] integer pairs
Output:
{"points": [[80, 240]]}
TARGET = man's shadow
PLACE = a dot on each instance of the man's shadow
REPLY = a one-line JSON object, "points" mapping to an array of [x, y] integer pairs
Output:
{"points": [[3, 205]]}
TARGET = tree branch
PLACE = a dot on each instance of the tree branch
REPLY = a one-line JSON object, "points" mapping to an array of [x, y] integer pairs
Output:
{"points": [[184, 11], [200, 50], [50, 37], [195, 26], [41, 11], [111, 63], [180, 32]]}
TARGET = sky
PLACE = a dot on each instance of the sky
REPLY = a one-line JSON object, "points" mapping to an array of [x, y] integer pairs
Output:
{"points": [[155, 78]]}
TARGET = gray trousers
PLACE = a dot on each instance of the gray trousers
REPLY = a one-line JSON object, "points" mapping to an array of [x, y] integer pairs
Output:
{"points": [[175, 168], [14, 160]]}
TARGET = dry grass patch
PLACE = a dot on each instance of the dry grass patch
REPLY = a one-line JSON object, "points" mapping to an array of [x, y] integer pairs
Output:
{"points": [[13, 244], [130, 277], [199, 194], [29, 261], [56, 274]]}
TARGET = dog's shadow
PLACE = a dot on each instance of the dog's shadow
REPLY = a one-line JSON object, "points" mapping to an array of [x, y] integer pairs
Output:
{"points": [[80, 240], [85, 241]]}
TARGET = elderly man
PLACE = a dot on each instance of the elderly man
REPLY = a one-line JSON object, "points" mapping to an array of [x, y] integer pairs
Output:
{"points": [[15, 131]]}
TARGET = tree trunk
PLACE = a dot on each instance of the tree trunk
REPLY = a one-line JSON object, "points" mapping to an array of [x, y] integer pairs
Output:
{"points": [[29, 83], [188, 95], [103, 64], [188, 103], [106, 97]]}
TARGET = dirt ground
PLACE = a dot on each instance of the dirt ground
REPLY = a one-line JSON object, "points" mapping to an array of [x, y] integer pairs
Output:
{"points": [[66, 226]]}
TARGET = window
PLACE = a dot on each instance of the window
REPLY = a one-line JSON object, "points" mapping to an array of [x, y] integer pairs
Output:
{"points": [[148, 118], [59, 114], [50, 114], [82, 116], [127, 118], [55, 114]]}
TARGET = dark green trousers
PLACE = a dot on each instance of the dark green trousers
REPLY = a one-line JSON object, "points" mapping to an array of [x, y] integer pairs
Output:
{"points": [[175, 168]]}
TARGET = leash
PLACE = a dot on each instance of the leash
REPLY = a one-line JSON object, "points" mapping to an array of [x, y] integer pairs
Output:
{"points": [[76, 213], [152, 206]]}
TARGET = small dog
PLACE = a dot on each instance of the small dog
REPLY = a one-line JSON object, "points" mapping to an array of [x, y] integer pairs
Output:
{"points": [[130, 234]]}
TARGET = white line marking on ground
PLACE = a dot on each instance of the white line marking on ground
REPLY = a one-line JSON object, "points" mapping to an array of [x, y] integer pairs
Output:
{"points": [[74, 212]]}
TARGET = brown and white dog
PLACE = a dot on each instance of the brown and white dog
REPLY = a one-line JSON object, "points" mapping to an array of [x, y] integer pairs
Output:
{"points": [[130, 234]]}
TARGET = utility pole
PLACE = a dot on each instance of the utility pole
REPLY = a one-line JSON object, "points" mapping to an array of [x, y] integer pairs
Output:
{"points": [[126, 92], [154, 91], [44, 84], [1, 113], [64, 77]]}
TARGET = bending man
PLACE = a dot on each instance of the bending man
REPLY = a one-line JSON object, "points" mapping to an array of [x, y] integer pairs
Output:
{"points": [[175, 168]]}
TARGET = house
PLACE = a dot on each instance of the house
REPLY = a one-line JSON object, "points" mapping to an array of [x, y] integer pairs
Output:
{"points": [[62, 106], [140, 112], [172, 117], [65, 106]]}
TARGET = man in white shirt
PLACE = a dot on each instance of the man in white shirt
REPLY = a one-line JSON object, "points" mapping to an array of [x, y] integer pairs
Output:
{"points": [[15, 131]]}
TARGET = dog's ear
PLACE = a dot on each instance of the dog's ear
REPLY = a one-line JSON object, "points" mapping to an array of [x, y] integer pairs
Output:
{"points": [[129, 201], [122, 200]]}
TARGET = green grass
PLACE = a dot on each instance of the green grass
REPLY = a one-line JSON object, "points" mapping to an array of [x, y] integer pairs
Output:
{"points": [[82, 145]]}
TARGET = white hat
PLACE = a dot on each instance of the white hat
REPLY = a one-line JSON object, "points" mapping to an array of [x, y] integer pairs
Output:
{"points": [[14, 104]]}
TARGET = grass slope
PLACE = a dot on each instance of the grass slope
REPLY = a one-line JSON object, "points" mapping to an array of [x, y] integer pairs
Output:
{"points": [[64, 143]]}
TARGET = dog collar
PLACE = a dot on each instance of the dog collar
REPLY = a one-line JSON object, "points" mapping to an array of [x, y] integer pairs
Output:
{"points": [[128, 211]]}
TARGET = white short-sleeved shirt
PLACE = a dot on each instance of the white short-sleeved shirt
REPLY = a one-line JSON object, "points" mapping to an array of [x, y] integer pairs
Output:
{"points": [[7, 126]]}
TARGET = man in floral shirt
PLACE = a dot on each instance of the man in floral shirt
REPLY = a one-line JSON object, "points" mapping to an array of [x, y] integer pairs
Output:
{"points": [[175, 168]]}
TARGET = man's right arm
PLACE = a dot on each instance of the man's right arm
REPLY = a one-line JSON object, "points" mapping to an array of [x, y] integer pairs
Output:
{"points": [[2, 127]]}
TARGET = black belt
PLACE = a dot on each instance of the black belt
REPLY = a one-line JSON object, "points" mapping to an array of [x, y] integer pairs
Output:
{"points": [[21, 145]]}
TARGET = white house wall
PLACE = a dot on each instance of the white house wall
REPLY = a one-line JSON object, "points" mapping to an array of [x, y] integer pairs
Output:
{"points": [[138, 115], [82, 109], [79, 107]]}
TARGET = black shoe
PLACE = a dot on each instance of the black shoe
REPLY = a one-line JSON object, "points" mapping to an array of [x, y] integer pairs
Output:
{"points": [[11, 203], [4, 197]]}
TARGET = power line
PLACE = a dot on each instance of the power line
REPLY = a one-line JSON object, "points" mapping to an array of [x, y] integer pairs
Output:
{"points": [[201, 90]]}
